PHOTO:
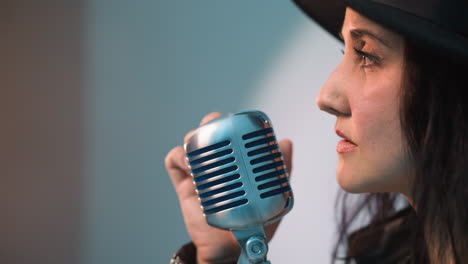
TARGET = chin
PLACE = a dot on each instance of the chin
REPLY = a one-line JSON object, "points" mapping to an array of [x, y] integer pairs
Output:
{"points": [[348, 180], [350, 186], [354, 182], [356, 176], [360, 183]]}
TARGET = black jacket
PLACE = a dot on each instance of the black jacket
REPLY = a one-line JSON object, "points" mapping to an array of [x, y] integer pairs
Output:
{"points": [[390, 247]]}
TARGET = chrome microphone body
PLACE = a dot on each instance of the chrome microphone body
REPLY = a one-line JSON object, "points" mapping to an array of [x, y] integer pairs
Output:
{"points": [[240, 178]]}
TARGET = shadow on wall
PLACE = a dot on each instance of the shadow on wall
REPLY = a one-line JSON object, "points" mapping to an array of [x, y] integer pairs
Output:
{"points": [[41, 132]]}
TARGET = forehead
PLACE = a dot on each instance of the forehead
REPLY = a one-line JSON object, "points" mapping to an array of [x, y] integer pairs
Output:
{"points": [[355, 21]]}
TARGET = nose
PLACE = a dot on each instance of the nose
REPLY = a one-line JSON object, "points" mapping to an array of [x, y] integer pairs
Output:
{"points": [[332, 97]]}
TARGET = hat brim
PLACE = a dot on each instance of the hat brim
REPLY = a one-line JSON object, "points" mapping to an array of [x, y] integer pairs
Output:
{"points": [[330, 15]]}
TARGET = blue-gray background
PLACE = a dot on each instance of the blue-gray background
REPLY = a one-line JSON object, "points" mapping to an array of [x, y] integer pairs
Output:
{"points": [[104, 89], [156, 68]]}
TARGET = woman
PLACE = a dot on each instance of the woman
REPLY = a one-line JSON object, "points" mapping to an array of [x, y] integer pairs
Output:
{"points": [[401, 103]]}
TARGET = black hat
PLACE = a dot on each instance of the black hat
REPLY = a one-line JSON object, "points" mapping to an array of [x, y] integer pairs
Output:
{"points": [[440, 25]]}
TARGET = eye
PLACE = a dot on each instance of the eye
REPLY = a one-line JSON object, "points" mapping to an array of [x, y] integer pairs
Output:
{"points": [[366, 59]]}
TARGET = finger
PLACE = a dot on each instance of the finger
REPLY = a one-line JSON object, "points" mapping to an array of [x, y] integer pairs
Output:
{"points": [[176, 165], [209, 117], [286, 147], [286, 150], [188, 135], [270, 229]]}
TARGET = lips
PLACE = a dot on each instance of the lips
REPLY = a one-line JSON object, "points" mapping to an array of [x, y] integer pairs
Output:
{"points": [[345, 145], [342, 135]]}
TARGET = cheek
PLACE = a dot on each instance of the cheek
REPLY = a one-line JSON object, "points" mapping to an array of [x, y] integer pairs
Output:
{"points": [[380, 143], [375, 126], [375, 112], [375, 116]]}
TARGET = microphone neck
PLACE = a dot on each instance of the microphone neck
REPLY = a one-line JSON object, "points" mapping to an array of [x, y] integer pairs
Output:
{"points": [[253, 245]]}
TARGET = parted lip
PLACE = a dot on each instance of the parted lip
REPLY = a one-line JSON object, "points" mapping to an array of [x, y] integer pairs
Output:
{"points": [[341, 134]]}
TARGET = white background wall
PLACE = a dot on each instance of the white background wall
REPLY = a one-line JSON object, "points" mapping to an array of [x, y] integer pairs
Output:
{"points": [[287, 92]]}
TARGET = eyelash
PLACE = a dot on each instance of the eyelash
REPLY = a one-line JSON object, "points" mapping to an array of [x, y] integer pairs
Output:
{"points": [[363, 56]]}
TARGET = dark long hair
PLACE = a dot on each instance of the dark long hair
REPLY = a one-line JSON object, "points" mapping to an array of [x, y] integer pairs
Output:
{"points": [[434, 121]]}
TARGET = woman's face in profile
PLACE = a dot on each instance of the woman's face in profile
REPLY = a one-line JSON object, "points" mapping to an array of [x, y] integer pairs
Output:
{"points": [[363, 93]]}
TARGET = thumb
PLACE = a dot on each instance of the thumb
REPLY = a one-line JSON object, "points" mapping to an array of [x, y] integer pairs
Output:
{"points": [[286, 147]]}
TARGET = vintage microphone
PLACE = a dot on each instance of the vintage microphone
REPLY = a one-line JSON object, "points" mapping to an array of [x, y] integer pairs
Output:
{"points": [[240, 178]]}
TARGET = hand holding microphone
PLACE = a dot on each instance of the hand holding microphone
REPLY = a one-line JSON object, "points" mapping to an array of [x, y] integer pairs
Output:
{"points": [[215, 245]]}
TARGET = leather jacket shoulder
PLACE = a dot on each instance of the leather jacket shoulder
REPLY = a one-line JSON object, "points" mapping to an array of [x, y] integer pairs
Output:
{"points": [[365, 247]]}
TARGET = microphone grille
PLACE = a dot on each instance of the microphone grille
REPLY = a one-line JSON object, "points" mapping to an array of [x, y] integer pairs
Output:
{"points": [[238, 171], [266, 162], [219, 160]]}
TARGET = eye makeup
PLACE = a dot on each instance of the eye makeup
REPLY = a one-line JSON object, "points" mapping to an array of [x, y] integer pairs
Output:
{"points": [[365, 58], [364, 55]]}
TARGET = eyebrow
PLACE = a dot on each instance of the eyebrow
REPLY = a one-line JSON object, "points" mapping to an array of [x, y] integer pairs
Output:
{"points": [[359, 33]]}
